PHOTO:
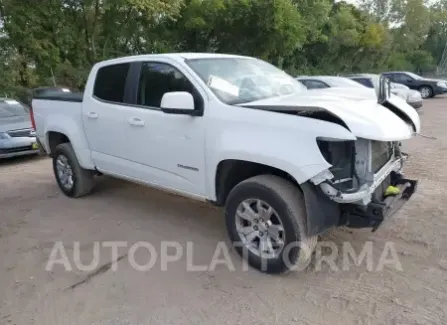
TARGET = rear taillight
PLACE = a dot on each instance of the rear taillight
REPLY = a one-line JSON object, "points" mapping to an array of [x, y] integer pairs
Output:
{"points": [[33, 123]]}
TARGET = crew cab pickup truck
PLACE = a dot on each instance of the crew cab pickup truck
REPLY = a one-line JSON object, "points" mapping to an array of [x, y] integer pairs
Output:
{"points": [[286, 164]]}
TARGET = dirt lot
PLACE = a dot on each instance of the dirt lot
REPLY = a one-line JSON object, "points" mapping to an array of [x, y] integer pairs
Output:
{"points": [[34, 215]]}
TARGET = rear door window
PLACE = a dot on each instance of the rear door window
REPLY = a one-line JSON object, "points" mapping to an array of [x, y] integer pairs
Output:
{"points": [[401, 78], [110, 82]]}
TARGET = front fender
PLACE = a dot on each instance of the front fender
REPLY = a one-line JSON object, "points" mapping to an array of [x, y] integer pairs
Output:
{"points": [[293, 151], [71, 129]]}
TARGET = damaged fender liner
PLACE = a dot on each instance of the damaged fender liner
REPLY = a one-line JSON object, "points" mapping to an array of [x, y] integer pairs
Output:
{"points": [[322, 212], [316, 112]]}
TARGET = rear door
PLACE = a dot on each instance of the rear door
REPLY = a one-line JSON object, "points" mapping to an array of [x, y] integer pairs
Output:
{"points": [[104, 118]]}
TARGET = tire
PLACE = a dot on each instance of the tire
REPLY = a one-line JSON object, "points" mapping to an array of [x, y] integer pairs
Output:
{"points": [[82, 179], [426, 92], [287, 202]]}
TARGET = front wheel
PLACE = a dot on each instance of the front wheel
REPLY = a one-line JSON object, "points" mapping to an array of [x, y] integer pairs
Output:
{"points": [[426, 92], [73, 180], [266, 221]]}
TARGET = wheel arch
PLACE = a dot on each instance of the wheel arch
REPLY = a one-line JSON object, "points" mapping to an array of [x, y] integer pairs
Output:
{"points": [[69, 132], [431, 87], [321, 212], [55, 138], [231, 172]]}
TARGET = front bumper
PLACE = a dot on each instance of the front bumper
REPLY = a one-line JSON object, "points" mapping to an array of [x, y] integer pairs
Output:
{"points": [[372, 215], [19, 153], [416, 104], [365, 193], [19, 147], [439, 90]]}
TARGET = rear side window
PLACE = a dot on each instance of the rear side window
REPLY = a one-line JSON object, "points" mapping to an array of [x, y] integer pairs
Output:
{"points": [[110, 82], [401, 78]]}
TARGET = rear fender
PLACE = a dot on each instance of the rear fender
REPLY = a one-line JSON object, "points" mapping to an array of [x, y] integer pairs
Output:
{"points": [[72, 129]]}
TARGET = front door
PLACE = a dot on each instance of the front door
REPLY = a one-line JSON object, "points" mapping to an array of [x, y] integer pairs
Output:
{"points": [[165, 149]]}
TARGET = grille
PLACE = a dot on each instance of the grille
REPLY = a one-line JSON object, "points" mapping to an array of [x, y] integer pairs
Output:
{"points": [[20, 133], [16, 149], [381, 153]]}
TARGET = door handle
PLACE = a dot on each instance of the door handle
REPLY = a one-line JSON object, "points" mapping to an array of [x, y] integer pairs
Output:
{"points": [[92, 115], [135, 121]]}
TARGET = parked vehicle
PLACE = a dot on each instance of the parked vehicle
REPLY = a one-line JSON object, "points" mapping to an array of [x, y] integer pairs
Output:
{"points": [[286, 163], [426, 86], [323, 82], [412, 97], [17, 138]]}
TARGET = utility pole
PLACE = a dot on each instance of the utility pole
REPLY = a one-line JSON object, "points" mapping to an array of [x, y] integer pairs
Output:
{"points": [[52, 77], [442, 66]]}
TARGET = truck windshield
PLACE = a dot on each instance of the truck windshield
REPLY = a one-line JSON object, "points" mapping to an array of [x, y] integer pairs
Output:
{"points": [[10, 108], [243, 80]]}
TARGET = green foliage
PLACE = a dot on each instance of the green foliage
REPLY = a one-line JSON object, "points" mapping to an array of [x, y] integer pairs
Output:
{"points": [[47, 41]]}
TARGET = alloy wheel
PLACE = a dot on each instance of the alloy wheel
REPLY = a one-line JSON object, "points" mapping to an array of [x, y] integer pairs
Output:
{"points": [[260, 228], [64, 172]]}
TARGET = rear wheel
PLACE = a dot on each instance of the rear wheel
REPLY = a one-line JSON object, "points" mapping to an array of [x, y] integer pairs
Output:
{"points": [[73, 180], [426, 92], [265, 218]]}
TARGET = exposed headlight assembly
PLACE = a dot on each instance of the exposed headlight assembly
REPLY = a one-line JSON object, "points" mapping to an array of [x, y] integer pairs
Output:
{"points": [[340, 154]]}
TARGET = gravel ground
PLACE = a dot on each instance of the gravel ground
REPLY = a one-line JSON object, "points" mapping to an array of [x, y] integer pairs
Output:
{"points": [[35, 215]]}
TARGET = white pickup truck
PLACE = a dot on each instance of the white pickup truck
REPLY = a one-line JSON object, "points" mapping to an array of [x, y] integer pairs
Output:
{"points": [[286, 163]]}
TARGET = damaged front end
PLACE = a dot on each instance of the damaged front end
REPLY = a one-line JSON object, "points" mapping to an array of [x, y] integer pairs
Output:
{"points": [[354, 191], [358, 180]]}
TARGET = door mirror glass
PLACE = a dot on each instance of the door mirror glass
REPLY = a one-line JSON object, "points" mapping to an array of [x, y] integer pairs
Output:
{"points": [[177, 102]]}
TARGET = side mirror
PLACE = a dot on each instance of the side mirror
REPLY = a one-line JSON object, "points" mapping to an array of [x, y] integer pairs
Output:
{"points": [[177, 102]]}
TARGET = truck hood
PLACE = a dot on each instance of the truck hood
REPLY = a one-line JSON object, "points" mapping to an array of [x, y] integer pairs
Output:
{"points": [[15, 123], [347, 92], [393, 121]]}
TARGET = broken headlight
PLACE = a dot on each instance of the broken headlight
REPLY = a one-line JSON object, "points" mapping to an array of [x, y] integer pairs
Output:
{"points": [[340, 154]]}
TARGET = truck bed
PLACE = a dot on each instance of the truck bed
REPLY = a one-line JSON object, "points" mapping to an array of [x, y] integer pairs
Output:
{"points": [[61, 96], [58, 111]]}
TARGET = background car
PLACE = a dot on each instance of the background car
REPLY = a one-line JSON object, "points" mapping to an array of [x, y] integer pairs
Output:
{"points": [[322, 82], [17, 137], [413, 97], [338, 86], [427, 87]]}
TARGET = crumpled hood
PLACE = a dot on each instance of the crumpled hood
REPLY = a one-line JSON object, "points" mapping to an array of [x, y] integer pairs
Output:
{"points": [[348, 92], [364, 117]]}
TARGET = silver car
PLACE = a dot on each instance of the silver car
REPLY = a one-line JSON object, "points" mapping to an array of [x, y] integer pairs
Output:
{"points": [[413, 97], [17, 137]]}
